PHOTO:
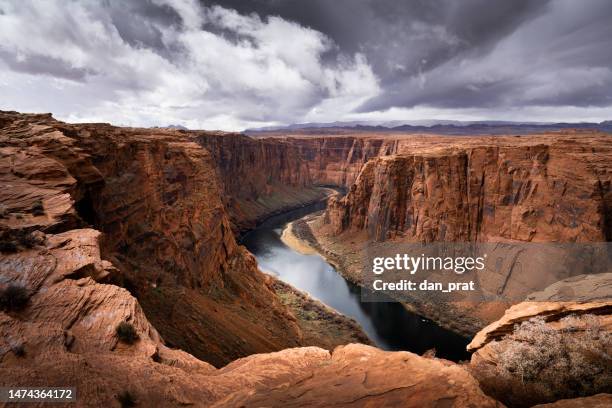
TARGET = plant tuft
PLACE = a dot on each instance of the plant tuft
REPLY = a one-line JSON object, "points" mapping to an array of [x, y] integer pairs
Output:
{"points": [[127, 333], [14, 298], [19, 350], [126, 399], [38, 208]]}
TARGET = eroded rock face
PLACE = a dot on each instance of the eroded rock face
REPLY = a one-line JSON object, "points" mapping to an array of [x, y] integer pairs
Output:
{"points": [[261, 176], [258, 177], [363, 376], [337, 160], [155, 196], [596, 401], [553, 188], [68, 309], [548, 188]]}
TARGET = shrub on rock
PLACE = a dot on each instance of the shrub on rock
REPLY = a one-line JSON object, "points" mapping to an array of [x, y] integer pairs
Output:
{"points": [[126, 333], [126, 399], [542, 362], [14, 298]]}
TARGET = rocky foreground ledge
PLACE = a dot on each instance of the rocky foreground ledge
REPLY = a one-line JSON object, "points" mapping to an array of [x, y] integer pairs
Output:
{"points": [[66, 333]]}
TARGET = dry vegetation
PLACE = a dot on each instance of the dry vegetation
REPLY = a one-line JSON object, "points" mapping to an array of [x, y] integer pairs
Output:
{"points": [[541, 362], [127, 333], [14, 298]]}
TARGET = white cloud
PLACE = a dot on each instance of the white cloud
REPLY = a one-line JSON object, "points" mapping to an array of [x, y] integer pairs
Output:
{"points": [[159, 62], [226, 70], [537, 113]]}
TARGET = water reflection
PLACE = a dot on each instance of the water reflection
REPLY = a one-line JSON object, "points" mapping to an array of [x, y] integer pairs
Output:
{"points": [[388, 324]]}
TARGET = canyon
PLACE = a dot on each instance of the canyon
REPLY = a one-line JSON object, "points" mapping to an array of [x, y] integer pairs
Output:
{"points": [[520, 192], [103, 225]]}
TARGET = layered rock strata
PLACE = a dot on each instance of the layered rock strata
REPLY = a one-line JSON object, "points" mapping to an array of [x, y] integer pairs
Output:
{"points": [[546, 188], [264, 176], [155, 196], [539, 189]]}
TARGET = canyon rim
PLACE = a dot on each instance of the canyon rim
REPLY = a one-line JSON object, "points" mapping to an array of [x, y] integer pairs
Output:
{"points": [[393, 203]]}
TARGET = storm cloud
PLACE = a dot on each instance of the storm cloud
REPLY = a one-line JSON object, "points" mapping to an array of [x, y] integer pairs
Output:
{"points": [[235, 64]]}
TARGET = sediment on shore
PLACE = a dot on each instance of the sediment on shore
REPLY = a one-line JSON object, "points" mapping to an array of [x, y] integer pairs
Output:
{"points": [[345, 256], [321, 325]]}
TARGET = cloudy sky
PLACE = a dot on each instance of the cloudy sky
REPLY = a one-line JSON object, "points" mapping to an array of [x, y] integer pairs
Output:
{"points": [[235, 64]]}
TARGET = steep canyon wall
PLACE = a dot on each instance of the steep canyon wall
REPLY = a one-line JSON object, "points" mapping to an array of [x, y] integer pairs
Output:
{"points": [[155, 196], [553, 188], [86, 209], [521, 192], [86, 206], [261, 176]]}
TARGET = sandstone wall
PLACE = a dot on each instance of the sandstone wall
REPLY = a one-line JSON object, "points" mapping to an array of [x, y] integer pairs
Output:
{"points": [[553, 188], [155, 196], [259, 177], [337, 160], [86, 206], [263, 176]]}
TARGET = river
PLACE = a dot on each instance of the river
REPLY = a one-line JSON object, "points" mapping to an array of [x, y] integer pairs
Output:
{"points": [[388, 324]]}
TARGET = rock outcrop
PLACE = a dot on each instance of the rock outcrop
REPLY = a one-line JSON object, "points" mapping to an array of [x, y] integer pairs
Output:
{"points": [[363, 376], [591, 294], [539, 189], [549, 348], [595, 401]]}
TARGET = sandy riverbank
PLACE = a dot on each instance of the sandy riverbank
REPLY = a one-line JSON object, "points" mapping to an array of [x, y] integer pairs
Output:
{"points": [[290, 239]]}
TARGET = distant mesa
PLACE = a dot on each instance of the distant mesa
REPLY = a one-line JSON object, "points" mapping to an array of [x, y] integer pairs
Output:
{"points": [[177, 127], [440, 127]]}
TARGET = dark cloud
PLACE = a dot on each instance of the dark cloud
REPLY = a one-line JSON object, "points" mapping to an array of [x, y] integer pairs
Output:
{"points": [[241, 62], [419, 48], [43, 64], [138, 23], [403, 32], [554, 60]]}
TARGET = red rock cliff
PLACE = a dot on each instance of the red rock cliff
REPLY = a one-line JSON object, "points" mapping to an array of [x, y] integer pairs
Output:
{"points": [[165, 235], [537, 189], [155, 196], [261, 176], [553, 188]]}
